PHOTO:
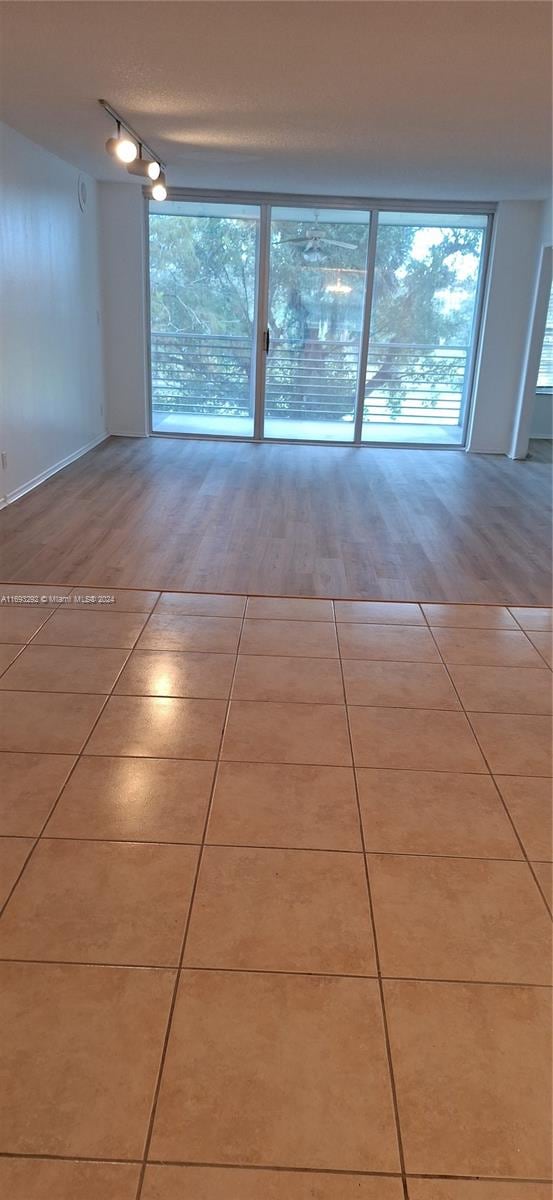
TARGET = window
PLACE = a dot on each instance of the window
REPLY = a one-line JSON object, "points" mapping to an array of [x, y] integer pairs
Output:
{"points": [[424, 299], [545, 373], [328, 323]]}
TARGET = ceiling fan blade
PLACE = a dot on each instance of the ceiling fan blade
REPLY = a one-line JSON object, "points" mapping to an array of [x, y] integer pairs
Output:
{"points": [[342, 245]]}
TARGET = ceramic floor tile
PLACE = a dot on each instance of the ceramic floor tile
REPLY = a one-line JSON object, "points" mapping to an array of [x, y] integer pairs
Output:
{"points": [[287, 806], [469, 616], [171, 673], [267, 677], [134, 799], [40, 722], [281, 910], [81, 1056], [19, 623], [178, 631], [434, 812], [378, 613], [64, 669], [288, 1070], [227, 1183], [283, 609], [414, 739], [398, 684], [13, 852], [111, 600], [476, 1189], [544, 872], [514, 745], [68, 627], [390, 642], [48, 1179], [534, 618], [7, 655], [503, 689], [201, 604], [543, 643], [156, 727], [486, 648], [316, 734], [308, 639], [31, 784], [102, 902], [473, 1078], [459, 918], [530, 804]]}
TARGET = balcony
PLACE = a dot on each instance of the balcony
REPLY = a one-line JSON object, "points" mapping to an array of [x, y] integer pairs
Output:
{"points": [[202, 384]]}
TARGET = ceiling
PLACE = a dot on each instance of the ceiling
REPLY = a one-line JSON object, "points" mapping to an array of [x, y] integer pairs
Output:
{"points": [[412, 98]]}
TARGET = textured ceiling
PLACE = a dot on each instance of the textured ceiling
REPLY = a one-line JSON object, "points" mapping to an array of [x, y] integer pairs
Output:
{"points": [[416, 99]]}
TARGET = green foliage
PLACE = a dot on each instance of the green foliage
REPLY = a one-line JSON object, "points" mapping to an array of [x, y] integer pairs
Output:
{"points": [[202, 284]]}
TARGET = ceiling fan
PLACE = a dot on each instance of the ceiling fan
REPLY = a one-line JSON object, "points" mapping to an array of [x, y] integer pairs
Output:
{"points": [[313, 241]]}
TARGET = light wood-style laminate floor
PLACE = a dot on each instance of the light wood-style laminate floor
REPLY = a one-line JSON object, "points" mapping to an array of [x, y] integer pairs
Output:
{"points": [[289, 520]]}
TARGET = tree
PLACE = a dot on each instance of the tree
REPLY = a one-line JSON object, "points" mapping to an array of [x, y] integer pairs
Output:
{"points": [[202, 283]]}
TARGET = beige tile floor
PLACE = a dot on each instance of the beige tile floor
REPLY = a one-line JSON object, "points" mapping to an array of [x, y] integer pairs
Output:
{"points": [[276, 877]]}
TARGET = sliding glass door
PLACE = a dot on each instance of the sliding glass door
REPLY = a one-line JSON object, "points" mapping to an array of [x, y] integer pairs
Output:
{"points": [[203, 269], [313, 324], [426, 275], [315, 315]]}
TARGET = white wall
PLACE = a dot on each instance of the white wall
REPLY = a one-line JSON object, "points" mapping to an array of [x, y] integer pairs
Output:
{"points": [[514, 268], [51, 338], [122, 257]]}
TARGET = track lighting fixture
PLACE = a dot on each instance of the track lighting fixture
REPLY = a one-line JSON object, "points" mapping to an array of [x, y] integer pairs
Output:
{"points": [[128, 148]]}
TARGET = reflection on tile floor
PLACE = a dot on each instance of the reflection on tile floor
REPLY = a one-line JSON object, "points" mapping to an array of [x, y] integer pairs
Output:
{"points": [[277, 887]]}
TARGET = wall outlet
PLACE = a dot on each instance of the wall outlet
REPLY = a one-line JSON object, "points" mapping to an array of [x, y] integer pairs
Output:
{"points": [[4, 460]]}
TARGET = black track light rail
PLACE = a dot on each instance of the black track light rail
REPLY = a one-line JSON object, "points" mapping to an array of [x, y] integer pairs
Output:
{"points": [[122, 124]]}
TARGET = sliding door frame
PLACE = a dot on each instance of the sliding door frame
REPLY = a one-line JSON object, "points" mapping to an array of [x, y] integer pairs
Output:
{"points": [[266, 201]]}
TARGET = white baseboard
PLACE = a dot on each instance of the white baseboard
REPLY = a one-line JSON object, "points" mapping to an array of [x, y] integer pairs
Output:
{"points": [[44, 475]]}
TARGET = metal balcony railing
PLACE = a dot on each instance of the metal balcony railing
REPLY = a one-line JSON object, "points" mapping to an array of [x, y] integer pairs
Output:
{"points": [[313, 380]]}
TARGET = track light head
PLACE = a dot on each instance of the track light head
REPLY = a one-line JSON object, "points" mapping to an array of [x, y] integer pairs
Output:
{"points": [[147, 168], [159, 188], [122, 147]]}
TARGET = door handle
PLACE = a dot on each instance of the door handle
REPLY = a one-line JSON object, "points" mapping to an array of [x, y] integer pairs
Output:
{"points": [[266, 340]]}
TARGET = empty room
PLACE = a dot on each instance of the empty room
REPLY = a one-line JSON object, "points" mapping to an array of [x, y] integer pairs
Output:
{"points": [[276, 429]]}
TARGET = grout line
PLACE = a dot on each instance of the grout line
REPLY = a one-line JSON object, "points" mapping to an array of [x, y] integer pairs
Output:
{"points": [[528, 634], [280, 847], [372, 923], [173, 969], [498, 790], [256, 762], [111, 693], [157, 1089], [292, 1170]]}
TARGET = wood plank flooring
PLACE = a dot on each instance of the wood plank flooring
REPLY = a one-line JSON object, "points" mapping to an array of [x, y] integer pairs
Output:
{"points": [[290, 520]]}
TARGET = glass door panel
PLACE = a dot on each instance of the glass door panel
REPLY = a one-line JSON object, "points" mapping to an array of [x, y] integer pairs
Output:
{"points": [[425, 291], [203, 269], [317, 276]]}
